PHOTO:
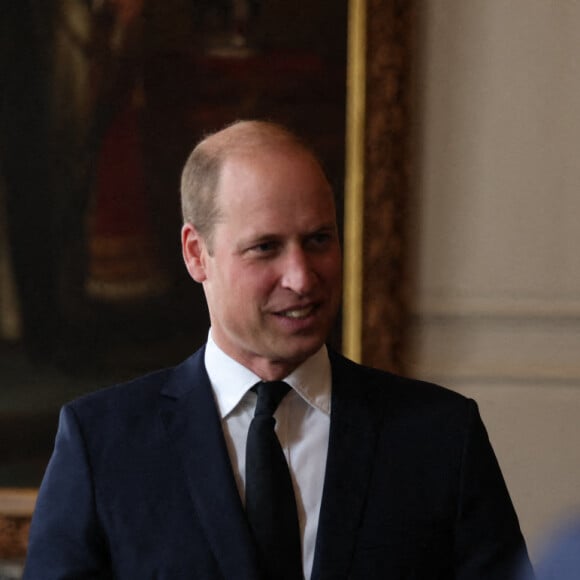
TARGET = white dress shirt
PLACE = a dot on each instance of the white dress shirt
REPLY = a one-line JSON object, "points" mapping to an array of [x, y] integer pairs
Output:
{"points": [[302, 426]]}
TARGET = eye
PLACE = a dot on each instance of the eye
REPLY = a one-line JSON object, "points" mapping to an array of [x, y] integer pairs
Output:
{"points": [[320, 240], [264, 248]]}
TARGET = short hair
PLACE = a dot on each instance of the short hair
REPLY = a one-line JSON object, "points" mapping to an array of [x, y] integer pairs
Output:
{"points": [[202, 170]]}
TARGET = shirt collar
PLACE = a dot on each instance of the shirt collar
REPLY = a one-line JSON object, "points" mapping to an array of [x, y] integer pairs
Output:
{"points": [[231, 380]]}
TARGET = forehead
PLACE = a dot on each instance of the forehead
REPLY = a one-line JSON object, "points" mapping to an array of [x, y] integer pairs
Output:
{"points": [[283, 175], [273, 193]]}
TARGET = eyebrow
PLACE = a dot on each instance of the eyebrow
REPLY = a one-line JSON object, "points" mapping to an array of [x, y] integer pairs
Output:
{"points": [[272, 236]]}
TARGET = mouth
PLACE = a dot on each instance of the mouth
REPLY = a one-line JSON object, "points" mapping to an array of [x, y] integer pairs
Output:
{"points": [[298, 313]]}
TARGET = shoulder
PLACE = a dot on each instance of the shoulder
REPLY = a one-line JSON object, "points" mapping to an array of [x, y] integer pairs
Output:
{"points": [[417, 418], [378, 381], [141, 394], [400, 398], [138, 389]]}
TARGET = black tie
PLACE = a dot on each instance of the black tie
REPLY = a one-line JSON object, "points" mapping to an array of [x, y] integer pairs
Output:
{"points": [[270, 502]]}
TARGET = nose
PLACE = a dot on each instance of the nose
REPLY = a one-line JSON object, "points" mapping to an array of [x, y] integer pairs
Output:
{"points": [[298, 273]]}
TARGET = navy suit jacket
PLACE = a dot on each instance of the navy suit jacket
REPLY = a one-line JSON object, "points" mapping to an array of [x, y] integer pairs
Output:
{"points": [[140, 486]]}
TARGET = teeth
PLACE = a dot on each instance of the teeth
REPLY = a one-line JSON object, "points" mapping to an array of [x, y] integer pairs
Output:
{"points": [[299, 313]]}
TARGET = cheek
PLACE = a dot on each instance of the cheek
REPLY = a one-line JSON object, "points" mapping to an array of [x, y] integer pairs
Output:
{"points": [[257, 279], [331, 271]]}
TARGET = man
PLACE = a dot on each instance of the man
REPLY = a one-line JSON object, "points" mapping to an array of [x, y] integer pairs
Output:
{"points": [[392, 478]]}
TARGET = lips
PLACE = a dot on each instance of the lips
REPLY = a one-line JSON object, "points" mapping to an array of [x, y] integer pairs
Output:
{"points": [[298, 313]]}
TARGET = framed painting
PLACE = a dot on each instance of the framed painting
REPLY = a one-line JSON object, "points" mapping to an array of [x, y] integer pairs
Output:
{"points": [[104, 101]]}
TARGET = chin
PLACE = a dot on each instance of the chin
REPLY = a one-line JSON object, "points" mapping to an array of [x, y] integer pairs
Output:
{"points": [[299, 354]]}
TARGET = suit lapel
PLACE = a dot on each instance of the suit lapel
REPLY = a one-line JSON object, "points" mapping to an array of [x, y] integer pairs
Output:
{"points": [[190, 417], [354, 429]]}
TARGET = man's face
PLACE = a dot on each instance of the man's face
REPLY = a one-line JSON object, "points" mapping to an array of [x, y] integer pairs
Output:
{"points": [[273, 280]]}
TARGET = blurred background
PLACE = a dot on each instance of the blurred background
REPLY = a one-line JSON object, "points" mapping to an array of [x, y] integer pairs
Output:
{"points": [[470, 273]]}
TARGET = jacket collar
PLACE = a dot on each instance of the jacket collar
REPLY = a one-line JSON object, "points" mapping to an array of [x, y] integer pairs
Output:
{"points": [[354, 429], [191, 421]]}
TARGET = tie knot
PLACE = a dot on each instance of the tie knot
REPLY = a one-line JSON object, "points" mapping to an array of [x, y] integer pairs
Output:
{"points": [[270, 394]]}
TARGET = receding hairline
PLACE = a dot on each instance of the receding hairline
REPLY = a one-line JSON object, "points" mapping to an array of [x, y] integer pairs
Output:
{"points": [[251, 136], [202, 173]]}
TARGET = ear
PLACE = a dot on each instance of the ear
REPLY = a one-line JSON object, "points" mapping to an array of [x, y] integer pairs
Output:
{"points": [[194, 252]]}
